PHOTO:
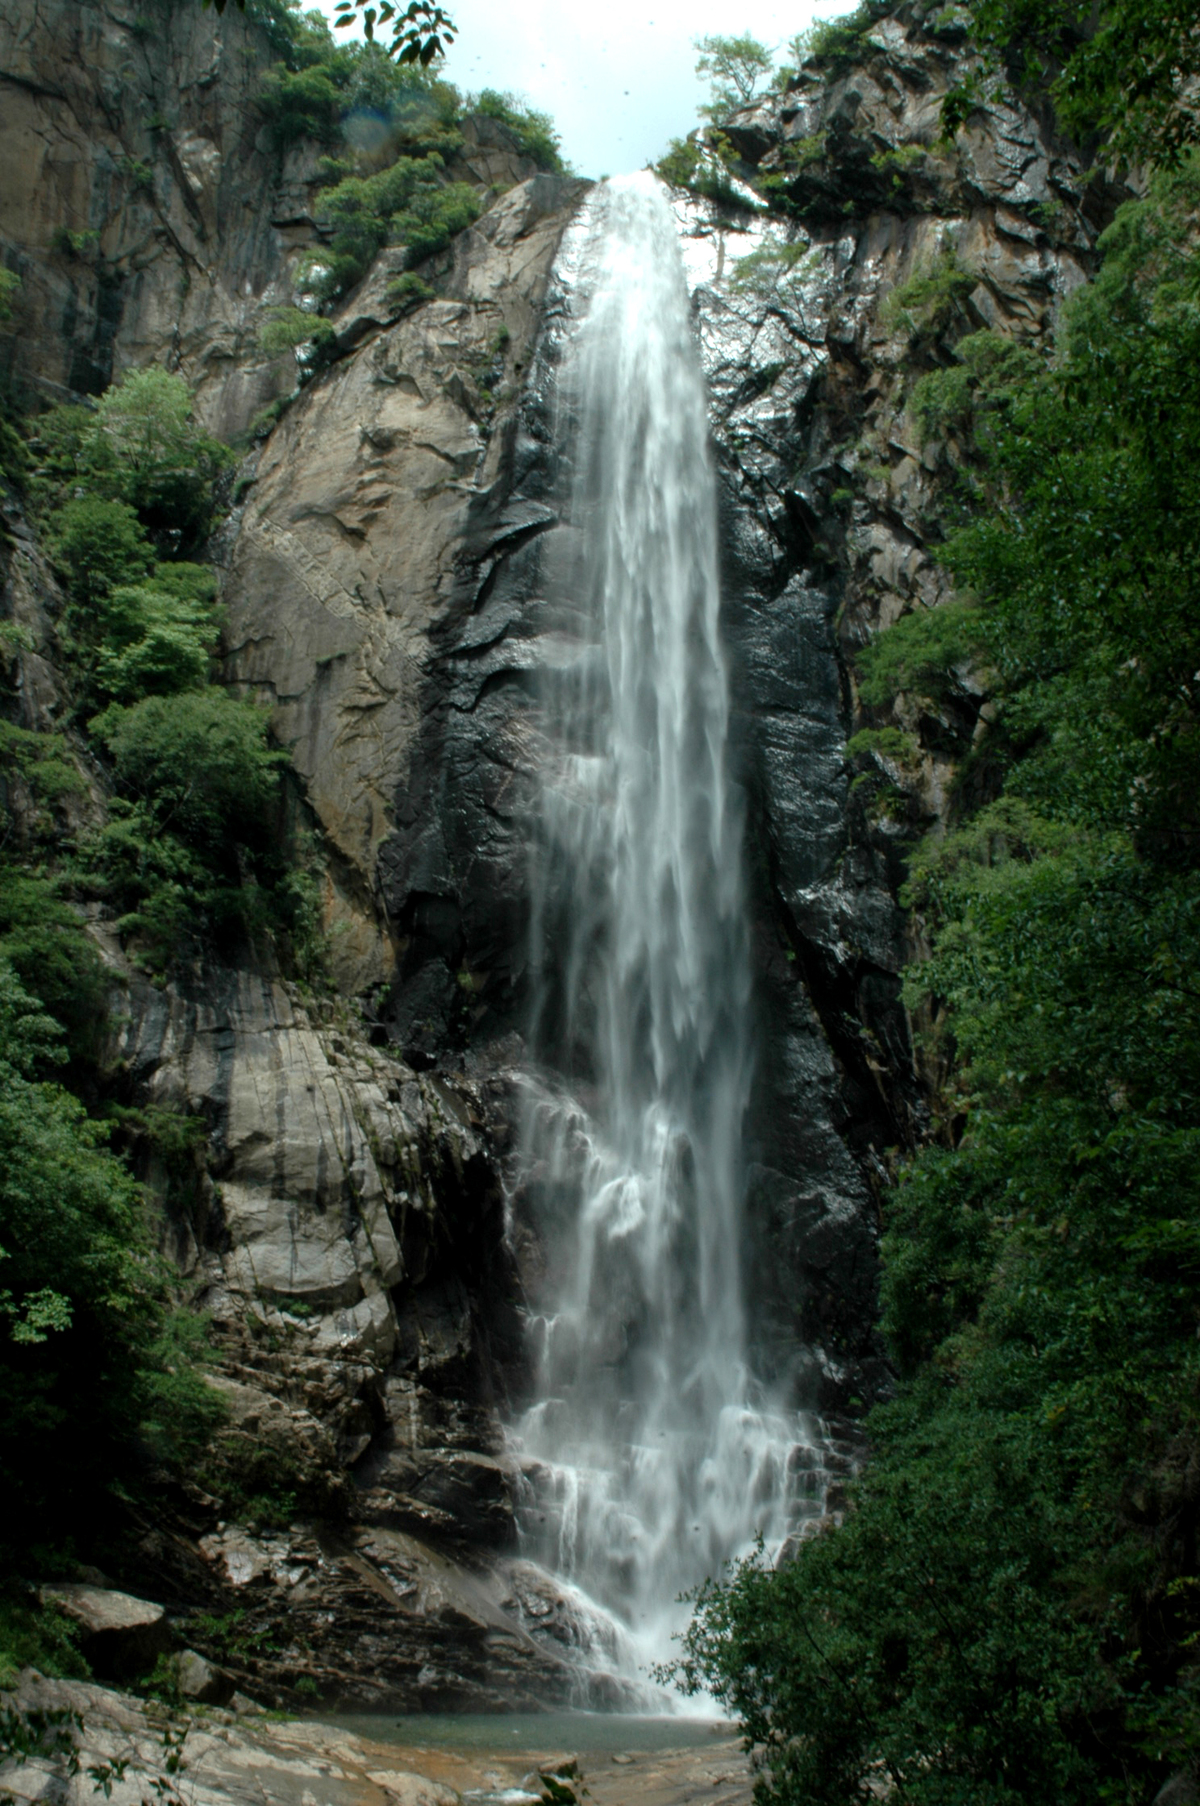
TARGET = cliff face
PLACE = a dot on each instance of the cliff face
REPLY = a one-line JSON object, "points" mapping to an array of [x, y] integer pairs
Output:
{"points": [[344, 1222], [143, 208], [146, 207], [833, 508]]}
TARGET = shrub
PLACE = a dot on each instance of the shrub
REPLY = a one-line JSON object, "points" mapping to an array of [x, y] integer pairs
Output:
{"points": [[43, 765], [433, 217], [409, 203], [986, 370], [146, 448], [97, 543], [82, 1303], [154, 644], [409, 290], [920, 653], [924, 305], [290, 327], [190, 848], [198, 765], [534, 132], [679, 162], [300, 104], [44, 942], [776, 259]]}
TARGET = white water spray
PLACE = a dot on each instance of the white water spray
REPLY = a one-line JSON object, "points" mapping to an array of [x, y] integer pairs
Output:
{"points": [[648, 1461]]}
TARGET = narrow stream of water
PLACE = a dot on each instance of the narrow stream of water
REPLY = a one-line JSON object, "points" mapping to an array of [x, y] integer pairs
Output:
{"points": [[649, 1457]]}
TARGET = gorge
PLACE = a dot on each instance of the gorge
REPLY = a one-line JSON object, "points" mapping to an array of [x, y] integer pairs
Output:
{"points": [[531, 1204]]}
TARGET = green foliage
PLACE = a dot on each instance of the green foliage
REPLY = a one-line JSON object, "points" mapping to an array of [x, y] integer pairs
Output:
{"points": [[736, 70], [1122, 69], [146, 448], [925, 304], [40, 766], [291, 327], [75, 244], [679, 162], [299, 37], [139, 447], [231, 1637], [408, 203], [776, 259], [922, 653], [97, 544], [189, 842], [153, 643], [988, 370], [1011, 1610], [301, 103], [35, 1636], [797, 155], [44, 943], [14, 458], [138, 173], [887, 742], [82, 1304], [534, 132], [409, 290], [422, 31]]}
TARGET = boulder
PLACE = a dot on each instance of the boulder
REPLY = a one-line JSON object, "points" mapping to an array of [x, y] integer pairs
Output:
{"points": [[121, 1637], [407, 1789], [198, 1679], [1180, 1790]]}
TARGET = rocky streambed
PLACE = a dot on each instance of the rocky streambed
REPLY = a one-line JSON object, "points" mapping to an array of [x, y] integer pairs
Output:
{"points": [[101, 1743]]}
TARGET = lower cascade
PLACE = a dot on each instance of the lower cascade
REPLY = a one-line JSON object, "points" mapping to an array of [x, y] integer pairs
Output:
{"points": [[650, 1458]]}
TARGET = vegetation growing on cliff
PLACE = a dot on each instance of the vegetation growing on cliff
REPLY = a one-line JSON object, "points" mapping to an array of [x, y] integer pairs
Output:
{"points": [[100, 1378], [1011, 1610], [393, 129]]}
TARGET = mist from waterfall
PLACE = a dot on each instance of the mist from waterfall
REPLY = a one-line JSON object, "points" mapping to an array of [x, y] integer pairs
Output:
{"points": [[647, 1463]]}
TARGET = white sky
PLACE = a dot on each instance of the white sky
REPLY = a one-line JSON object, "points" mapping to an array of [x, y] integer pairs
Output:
{"points": [[616, 76]]}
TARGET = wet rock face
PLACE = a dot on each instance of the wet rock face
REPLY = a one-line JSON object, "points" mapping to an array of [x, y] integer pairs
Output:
{"points": [[832, 509], [345, 1234], [343, 1229]]}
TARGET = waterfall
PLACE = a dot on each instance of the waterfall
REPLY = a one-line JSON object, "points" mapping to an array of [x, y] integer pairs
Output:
{"points": [[648, 1459]]}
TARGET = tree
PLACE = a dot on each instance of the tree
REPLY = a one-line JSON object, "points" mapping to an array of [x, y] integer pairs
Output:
{"points": [[735, 69], [84, 1314], [1124, 70], [97, 544], [145, 446], [421, 31], [1010, 1611]]}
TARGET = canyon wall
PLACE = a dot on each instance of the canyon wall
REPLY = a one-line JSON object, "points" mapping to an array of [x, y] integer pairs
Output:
{"points": [[350, 1222]]}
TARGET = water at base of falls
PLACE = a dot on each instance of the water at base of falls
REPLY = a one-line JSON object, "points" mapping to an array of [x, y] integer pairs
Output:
{"points": [[649, 1458]]}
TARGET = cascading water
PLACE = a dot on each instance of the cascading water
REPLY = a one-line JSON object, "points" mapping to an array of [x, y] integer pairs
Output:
{"points": [[647, 1463]]}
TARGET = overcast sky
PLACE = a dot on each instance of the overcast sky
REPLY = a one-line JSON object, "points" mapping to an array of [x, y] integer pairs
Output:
{"points": [[616, 75]]}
